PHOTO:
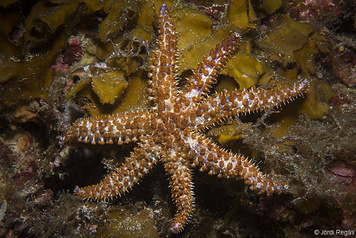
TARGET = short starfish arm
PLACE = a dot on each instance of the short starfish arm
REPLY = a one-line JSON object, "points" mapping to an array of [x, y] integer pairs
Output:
{"points": [[209, 157], [181, 188], [137, 165], [222, 105], [163, 63], [203, 77], [123, 128]]}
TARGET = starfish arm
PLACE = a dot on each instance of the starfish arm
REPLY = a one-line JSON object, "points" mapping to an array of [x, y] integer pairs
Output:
{"points": [[234, 103], [181, 188], [163, 63], [209, 157], [203, 77], [137, 165], [118, 129]]}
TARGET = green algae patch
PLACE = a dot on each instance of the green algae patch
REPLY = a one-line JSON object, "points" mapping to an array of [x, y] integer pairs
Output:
{"points": [[46, 17], [227, 133], [122, 223], [226, 83], [272, 5], [120, 16], [134, 97], [146, 17], [9, 19], [192, 56], [16, 91], [241, 14], [15, 66], [109, 86], [244, 69], [128, 52], [306, 56], [5, 3], [285, 37], [191, 26], [25, 79], [78, 87], [111, 92], [315, 104], [309, 205], [93, 5]]}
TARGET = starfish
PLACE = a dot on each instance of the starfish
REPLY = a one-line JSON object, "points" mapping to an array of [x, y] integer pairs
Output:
{"points": [[170, 132]]}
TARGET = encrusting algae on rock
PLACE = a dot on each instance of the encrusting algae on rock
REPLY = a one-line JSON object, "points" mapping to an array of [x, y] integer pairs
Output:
{"points": [[62, 60]]}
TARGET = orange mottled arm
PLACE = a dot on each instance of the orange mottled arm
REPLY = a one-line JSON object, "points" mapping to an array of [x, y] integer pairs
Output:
{"points": [[123, 178], [123, 128], [163, 64], [209, 157], [223, 105], [205, 75]]}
